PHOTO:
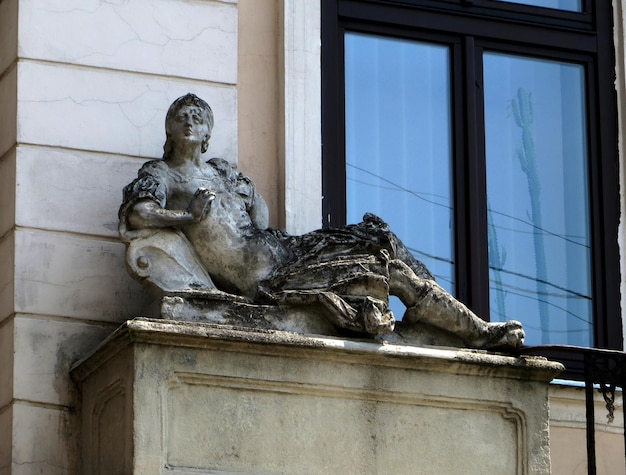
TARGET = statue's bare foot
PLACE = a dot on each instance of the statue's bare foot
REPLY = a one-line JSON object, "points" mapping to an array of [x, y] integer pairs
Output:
{"points": [[506, 335]]}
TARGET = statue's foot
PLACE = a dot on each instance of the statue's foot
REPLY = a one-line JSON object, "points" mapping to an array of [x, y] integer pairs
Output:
{"points": [[503, 335]]}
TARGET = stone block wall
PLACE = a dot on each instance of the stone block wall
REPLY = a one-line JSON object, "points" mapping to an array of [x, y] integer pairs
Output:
{"points": [[84, 87]]}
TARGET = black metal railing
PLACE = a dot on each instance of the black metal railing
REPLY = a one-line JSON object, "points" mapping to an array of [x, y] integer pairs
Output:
{"points": [[598, 368]]}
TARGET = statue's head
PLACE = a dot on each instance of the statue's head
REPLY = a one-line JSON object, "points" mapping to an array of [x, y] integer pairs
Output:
{"points": [[186, 101]]}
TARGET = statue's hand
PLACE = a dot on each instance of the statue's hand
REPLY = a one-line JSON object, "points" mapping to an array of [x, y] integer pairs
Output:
{"points": [[201, 203]]}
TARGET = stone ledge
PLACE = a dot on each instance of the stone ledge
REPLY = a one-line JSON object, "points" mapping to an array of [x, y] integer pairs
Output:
{"points": [[203, 335]]}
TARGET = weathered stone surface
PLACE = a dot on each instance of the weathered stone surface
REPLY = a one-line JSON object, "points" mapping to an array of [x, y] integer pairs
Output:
{"points": [[7, 189], [39, 439], [7, 266], [93, 285], [7, 354], [8, 93], [44, 349], [101, 104], [161, 396], [196, 226], [225, 310], [153, 36], [51, 173]]}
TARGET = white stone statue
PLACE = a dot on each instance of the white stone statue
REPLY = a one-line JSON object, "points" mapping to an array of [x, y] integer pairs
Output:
{"points": [[197, 233]]}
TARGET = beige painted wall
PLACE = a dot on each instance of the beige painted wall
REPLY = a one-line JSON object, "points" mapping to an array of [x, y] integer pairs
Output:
{"points": [[568, 451], [568, 433], [259, 101]]}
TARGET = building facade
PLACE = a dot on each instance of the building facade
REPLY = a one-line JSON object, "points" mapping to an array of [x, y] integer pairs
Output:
{"points": [[84, 87]]}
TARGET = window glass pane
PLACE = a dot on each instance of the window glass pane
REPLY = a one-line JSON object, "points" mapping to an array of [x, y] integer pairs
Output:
{"points": [[398, 143], [537, 193], [568, 5]]}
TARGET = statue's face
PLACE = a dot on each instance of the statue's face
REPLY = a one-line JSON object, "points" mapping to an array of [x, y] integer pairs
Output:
{"points": [[188, 125]]}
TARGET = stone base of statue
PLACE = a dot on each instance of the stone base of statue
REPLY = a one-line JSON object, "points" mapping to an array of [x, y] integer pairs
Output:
{"points": [[186, 398], [215, 307]]}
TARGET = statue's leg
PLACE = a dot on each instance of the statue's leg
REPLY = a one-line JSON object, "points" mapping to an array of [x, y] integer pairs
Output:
{"points": [[429, 303], [402, 253]]}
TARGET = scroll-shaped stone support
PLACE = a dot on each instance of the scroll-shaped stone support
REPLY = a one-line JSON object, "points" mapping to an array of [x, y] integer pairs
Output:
{"points": [[164, 261], [197, 232]]}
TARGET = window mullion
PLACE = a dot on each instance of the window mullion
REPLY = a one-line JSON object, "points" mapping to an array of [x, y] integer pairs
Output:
{"points": [[333, 119], [604, 175], [474, 239], [461, 218]]}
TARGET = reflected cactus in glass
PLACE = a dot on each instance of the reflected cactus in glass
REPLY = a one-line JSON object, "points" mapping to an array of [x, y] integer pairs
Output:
{"points": [[523, 112]]}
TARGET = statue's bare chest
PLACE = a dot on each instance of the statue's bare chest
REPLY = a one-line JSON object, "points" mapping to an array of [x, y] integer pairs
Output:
{"points": [[181, 188]]}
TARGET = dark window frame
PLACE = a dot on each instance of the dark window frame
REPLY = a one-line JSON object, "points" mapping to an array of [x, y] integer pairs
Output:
{"points": [[468, 26]]}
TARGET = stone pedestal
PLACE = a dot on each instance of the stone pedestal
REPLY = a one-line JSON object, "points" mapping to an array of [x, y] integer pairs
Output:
{"points": [[185, 398]]}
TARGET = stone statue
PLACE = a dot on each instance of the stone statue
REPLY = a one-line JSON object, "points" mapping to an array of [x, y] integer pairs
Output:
{"points": [[197, 233]]}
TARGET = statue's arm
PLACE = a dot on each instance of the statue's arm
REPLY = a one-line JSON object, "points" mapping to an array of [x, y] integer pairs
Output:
{"points": [[259, 212], [147, 213]]}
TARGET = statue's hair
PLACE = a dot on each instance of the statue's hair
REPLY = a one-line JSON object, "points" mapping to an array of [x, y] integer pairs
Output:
{"points": [[187, 100]]}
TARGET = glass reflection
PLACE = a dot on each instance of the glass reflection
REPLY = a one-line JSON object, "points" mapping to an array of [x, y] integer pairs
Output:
{"points": [[567, 5], [398, 143], [537, 192]]}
